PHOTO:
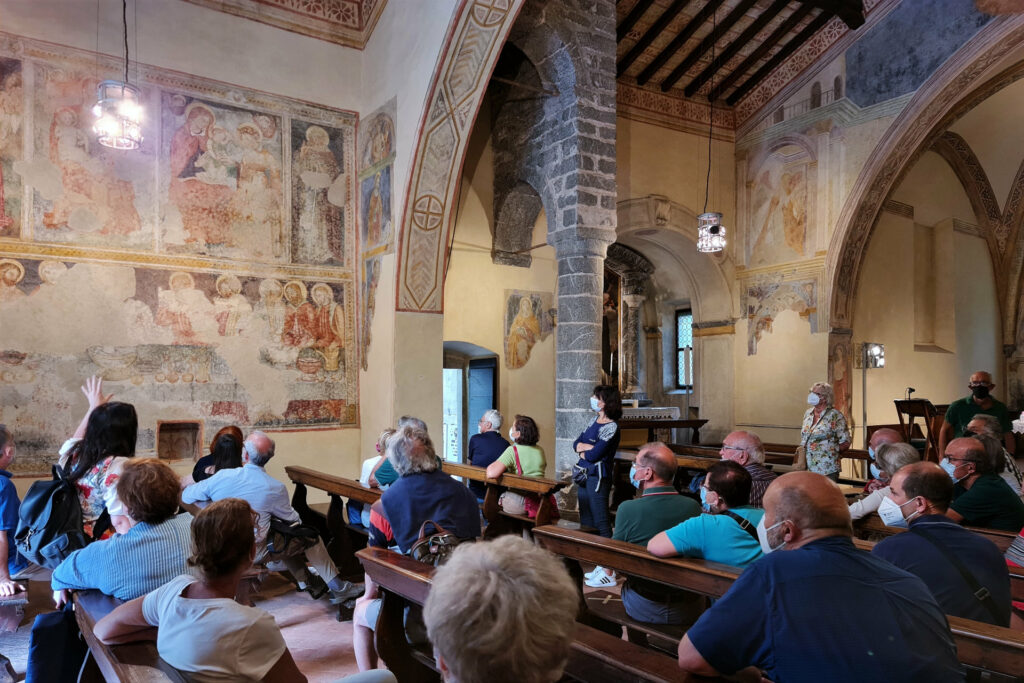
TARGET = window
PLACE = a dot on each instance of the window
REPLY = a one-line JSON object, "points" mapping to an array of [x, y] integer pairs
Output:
{"points": [[684, 349]]}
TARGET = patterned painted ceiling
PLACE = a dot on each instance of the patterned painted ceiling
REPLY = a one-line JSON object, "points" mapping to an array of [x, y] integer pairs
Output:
{"points": [[345, 22]]}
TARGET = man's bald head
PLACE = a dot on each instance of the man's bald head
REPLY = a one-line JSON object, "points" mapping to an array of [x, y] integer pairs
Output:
{"points": [[982, 377], [884, 435], [965, 448], [743, 447], [661, 460], [812, 502], [259, 448]]}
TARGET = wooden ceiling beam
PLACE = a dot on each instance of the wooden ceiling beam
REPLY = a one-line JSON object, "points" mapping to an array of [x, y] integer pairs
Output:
{"points": [[730, 51], [771, 41], [677, 43], [707, 44], [634, 16], [850, 11], [789, 48], [653, 32]]}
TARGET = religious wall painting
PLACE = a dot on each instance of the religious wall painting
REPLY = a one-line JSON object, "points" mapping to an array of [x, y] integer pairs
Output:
{"points": [[370, 278], [779, 199], [765, 298], [376, 159], [529, 319], [221, 180], [224, 348], [85, 193], [840, 370], [610, 308], [11, 120], [320, 193]]}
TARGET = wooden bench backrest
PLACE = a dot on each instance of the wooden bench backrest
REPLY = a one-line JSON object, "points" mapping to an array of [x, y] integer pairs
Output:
{"points": [[133, 662], [333, 484], [992, 648], [595, 656], [873, 524], [513, 482]]}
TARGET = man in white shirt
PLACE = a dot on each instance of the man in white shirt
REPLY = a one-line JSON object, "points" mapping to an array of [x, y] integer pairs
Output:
{"points": [[269, 498]]}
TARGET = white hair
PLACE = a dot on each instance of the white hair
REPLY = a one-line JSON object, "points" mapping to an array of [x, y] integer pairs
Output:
{"points": [[826, 392], [494, 417], [502, 611], [410, 450], [256, 457]]}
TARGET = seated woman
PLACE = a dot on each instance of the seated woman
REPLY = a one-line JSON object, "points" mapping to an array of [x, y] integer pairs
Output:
{"points": [[198, 627], [889, 458], [94, 457], [523, 457], [153, 550], [208, 464]]}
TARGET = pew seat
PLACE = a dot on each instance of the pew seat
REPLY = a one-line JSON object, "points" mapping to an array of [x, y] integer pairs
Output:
{"points": [[607, 606]]}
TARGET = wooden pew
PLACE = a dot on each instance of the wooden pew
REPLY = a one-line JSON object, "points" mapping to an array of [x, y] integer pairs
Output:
{"points": [[341, 538], [499, 521], [872, 526], [595, 657], [990, 648], [132, 662]]}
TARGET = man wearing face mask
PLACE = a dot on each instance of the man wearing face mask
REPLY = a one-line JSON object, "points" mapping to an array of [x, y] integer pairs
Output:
{"points": [[980, 498], [659, 507], [486, 447], [981, 401], [728, 532], [814, 611], [956, 564]]}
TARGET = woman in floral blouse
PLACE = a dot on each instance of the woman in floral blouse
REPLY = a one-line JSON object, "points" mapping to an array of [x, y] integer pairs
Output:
{"points": [[824, 434], [94, 456]]}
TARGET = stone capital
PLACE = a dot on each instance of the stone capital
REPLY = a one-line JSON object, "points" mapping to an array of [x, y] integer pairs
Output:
{"points": [[568, 244]]}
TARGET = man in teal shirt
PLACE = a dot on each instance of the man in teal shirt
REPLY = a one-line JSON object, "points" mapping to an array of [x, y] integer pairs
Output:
{"points": [[659, 507], [728, 532]]}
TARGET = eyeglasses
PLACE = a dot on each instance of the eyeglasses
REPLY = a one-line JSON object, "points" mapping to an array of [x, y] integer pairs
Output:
{"points": [[726, 447], [960, 459]]}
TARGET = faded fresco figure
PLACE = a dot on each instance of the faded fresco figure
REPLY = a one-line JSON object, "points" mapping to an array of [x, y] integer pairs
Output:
{"points": [[10, 146], [230, 310], [319, 237], [328, 326], [202, 204], [11, 273], [523, 333], [299, 315], [255, 208], [181, 307], [779, 214], [218, 161]]}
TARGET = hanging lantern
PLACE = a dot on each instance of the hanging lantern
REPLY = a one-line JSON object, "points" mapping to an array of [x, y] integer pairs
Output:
{"points": [[710, 233], [118, 115]]}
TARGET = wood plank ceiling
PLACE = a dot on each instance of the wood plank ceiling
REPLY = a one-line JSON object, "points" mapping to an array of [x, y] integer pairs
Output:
{"points": [[717, 49]]}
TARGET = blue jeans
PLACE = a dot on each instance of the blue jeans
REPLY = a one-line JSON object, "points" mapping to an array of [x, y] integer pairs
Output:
{"points": [[685, 610], [594, 504]]}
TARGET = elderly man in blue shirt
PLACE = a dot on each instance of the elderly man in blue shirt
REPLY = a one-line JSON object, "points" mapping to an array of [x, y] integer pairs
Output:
{"points": [[815, 608]]}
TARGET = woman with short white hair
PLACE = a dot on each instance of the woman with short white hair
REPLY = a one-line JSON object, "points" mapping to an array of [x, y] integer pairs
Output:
{"points": [[889, 458], [501, 611], [824, 434]]}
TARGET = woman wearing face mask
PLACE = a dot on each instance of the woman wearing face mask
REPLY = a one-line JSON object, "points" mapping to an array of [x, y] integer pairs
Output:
{"points": [[596, 447], [523, 457], [889, 458], [824, 434]]}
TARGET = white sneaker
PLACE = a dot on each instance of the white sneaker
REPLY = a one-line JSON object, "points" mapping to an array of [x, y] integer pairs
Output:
{"points": [[593, 572], [602, 580]]}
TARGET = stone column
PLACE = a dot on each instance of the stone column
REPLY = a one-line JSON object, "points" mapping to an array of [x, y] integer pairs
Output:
{"points": [[578, 336], [632, 334]]}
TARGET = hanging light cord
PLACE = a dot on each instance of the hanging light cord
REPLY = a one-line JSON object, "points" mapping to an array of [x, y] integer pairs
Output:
{"points": [[124, 23], [711, 109]]}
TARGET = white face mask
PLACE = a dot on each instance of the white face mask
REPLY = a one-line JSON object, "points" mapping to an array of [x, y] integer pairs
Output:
{"points": [[891, 513], [762, 536], [512, 433], [813, 399]]}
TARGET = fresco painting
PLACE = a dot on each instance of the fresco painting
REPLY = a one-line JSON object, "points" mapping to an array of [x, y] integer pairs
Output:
{"points": [[11, 117], [529, 319], [319, 194], [765, 298], [779, 209]]}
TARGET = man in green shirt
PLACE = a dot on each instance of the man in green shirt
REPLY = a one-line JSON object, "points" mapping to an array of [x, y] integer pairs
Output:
{"points": [[980, 401], [658, 508], [980, 498]]}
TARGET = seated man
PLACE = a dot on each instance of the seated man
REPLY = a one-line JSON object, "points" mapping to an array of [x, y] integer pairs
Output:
{"points": [[746, 449], [980, 498], [504, 610], [154, 550], [728, 532], [423, 492], [659, 507], [941, 551], [269, 498], [821, 610], [986, 425], [879, 438], [486, 447]]}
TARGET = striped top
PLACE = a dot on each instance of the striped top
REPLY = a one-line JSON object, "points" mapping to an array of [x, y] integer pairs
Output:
{"points": [[130, 565]]}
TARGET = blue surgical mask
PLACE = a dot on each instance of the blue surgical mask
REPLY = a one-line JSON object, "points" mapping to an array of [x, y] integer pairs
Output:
{"points": [[871, 452], [704, 499], [950, 469], [632, 478], [875, 472], [813, 399], [593, 404]]}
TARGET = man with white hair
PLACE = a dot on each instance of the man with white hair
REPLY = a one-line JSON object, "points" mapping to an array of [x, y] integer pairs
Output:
{"points": [[745, 449], [269, 498], [486, 447]]}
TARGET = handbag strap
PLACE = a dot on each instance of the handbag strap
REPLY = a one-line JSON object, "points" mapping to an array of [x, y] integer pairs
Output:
{"points": [[519, 468], [980, 592], [744, 524]]}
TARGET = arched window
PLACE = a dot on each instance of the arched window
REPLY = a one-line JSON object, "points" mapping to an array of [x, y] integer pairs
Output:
{"points": [[837, 88], [815, 95]]}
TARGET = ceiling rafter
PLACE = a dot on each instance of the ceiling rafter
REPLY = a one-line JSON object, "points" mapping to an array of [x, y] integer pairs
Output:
{"points": [[706, 44], [634, 15], [652, 33], [850, 11], [677, 43]]}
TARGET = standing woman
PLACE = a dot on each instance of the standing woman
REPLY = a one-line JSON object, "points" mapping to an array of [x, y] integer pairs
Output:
{"points": [[596, 447], [824, 434], [94, 457]]}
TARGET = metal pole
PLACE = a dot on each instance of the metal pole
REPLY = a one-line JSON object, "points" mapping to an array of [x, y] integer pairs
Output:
{"points": [[864, 391]]}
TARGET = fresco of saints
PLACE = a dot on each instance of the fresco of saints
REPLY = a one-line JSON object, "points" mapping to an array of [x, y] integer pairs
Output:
{"points": [[255, 209], [523, 333], [320, 220], [328, 325], [375, 214], [11, 273], [180, 307], [10, 147], [231, 309], [202, 204], [785, 216], [298, 318]]}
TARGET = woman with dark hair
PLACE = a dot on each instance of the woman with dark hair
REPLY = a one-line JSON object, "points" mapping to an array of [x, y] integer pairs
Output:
{"points": [[596, 447], [225, 453], [523, 457], [94, 456]]}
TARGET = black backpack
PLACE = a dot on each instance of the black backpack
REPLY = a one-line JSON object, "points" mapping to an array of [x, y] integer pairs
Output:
{"points": [[50, 521]]}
